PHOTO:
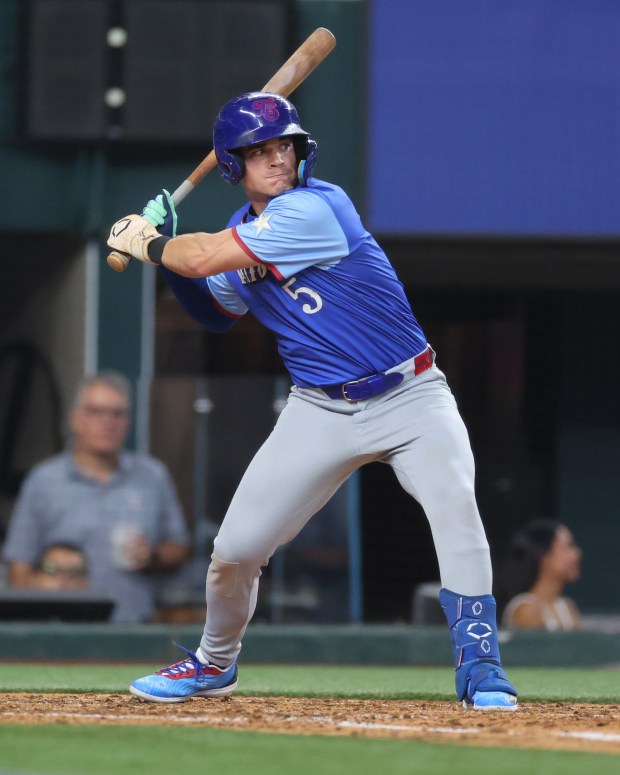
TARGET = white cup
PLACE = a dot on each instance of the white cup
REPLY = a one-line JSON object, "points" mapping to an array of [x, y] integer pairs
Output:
{"points": [[123, 533]]}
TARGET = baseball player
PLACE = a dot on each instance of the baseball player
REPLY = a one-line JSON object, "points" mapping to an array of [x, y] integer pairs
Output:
{"points": [[365, 388]]}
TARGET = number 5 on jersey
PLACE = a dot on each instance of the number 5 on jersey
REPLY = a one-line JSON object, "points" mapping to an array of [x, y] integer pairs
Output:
{"points": [[295, 293]]}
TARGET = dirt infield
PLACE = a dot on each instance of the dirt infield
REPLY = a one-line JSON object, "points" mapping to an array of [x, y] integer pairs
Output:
{"points": [[559, 726]]}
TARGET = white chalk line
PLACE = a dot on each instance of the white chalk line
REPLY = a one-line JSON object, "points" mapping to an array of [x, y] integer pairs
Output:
{"points": [[322, 720], [405, 728], [604, 737], [135, 717]]}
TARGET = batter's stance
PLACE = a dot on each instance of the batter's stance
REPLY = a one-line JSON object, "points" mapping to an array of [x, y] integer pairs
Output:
{"points": [[365, 388]]}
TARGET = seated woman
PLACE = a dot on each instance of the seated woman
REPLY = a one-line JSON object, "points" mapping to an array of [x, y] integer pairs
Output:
{"points": [[544, 559]]}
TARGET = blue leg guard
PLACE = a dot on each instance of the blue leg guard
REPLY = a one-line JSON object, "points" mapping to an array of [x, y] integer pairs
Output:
{"points": [[473, 635]]}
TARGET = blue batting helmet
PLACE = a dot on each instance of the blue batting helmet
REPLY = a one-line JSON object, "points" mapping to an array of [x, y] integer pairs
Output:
{"points": [[253, 118]]}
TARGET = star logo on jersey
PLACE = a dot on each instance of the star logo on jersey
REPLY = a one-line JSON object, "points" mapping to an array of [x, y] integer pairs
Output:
{"points": [[262, 223]]}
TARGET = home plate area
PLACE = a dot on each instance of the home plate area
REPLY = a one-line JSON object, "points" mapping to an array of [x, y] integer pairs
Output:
{"points": [[560, 726]]}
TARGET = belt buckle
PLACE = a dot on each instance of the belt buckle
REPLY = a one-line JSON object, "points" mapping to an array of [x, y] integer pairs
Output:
{"points": [[343, 389]]}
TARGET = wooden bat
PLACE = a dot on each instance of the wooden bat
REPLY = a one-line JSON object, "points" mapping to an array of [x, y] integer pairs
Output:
{"points": [[293, 72]]}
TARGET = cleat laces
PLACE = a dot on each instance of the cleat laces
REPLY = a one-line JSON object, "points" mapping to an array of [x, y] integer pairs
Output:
{"points": [[190, 667], [184, 669]]}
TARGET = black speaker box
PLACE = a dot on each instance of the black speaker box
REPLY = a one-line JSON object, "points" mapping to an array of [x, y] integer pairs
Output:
{"points": [[144, 70]]}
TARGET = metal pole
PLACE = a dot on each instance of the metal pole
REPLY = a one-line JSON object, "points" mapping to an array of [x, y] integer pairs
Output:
{"points": [[281, 389], [203, 528], [356, 594]]}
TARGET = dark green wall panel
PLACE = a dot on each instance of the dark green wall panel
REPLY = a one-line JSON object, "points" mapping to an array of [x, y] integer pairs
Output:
{"points": [[332, 101], [82, 189], [120, 311]]}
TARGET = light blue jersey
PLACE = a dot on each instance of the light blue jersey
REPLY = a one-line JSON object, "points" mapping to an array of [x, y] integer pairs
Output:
{"points": [[323, 286]]}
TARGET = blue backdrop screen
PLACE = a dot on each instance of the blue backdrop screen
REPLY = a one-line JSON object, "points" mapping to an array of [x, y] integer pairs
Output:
{"points": [[494, 117]]}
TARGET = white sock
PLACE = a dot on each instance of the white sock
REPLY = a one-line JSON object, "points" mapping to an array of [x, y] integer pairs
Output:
{"points": [[201, 656], [205, 661]]}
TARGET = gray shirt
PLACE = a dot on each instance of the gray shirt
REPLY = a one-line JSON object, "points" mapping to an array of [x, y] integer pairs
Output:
{"points": [[58, 503]]}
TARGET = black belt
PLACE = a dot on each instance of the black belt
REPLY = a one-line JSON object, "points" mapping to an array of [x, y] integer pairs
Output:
{"points": [[376, 384]]}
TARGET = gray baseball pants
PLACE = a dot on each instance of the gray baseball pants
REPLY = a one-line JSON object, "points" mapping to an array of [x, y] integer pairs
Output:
{"points": [[316, 444]]}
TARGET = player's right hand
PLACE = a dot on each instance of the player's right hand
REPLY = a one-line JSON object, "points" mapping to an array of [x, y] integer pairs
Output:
{"points": [[132, 236], [161, 213]]}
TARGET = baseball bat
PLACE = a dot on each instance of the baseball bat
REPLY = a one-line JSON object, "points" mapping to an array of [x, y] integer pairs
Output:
{"points": [[293, 72]]}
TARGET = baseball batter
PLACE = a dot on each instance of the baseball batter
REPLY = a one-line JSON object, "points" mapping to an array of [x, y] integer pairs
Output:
{"points": [[365, 388]]}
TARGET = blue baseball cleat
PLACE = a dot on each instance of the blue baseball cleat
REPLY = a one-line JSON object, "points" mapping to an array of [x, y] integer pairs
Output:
{"points": [[186, 679], [487, 688], [492, 701]]}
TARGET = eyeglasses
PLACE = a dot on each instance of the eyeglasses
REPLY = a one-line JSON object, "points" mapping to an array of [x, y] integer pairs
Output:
{"points": [[54, 569], [115, 412]]}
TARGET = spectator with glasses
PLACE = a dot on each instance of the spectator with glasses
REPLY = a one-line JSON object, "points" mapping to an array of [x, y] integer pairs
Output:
{"points": [[119, 508], [61, 566]]}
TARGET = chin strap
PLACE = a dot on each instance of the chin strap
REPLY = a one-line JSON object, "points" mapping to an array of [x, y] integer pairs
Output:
{"points": [[305, 167]]}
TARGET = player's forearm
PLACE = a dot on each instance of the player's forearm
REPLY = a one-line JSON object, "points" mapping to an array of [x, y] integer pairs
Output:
{"points": [[199, 254], [191, 255]]}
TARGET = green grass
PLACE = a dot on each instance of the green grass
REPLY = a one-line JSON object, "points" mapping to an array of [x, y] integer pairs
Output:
{"points": [[77, 750], [534, 684], [130, 750]]}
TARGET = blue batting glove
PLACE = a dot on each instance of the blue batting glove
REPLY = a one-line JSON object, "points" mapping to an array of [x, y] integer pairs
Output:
{"points": [[161, 213]]}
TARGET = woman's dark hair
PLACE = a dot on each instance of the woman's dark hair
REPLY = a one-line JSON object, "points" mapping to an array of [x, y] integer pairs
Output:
{"points": [[527, 548]]}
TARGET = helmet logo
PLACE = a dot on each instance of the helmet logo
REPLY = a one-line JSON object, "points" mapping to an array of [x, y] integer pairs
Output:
{"points": [[267, 109]]}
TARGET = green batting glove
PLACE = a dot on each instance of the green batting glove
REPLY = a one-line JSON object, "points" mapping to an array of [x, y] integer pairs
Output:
{"points": [[161, 213]]}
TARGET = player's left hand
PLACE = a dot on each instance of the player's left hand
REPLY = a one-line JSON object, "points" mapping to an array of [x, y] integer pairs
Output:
{"points": [[162, 214], [132, 235]]}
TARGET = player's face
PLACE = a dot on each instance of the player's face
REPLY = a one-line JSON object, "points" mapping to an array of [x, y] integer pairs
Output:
{"points": [[563, 560], [270, 169], [101, 420]]}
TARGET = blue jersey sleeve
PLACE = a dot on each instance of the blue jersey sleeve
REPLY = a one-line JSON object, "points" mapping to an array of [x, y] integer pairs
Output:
{"points": [[226, 296], [197, 299], [296, 230]]}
